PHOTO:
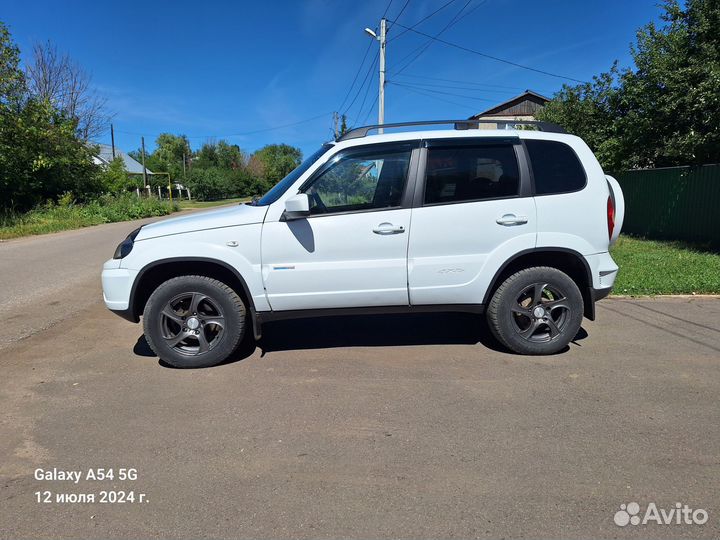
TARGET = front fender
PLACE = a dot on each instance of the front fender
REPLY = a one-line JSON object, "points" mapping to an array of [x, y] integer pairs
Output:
{"points": [[237, 247]]}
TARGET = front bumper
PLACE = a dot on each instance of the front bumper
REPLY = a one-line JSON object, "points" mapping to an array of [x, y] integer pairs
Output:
{"points": [[117, 284]]}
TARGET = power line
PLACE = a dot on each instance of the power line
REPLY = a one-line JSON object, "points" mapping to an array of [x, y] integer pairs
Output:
{"points": [[237, 134], [446, 93], [367, 91], [282, 126], [456, 19], [422, 48], [408, 29], [467, 49], [416, 91], [397, 17], [364, 122], [453, 87], [413, 76], [357, 74], [387, 8], [362, 85], [473, 10]]}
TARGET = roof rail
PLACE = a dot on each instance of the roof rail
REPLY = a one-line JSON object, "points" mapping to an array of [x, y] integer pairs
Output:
{"points": [[360, 132]]}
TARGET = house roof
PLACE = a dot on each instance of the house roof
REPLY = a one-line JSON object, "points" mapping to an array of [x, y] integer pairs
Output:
{"points": [[132, 166], [526, 103]]}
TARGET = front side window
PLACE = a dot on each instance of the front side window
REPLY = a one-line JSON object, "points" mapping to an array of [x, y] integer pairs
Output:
{"points": [[556, 168], [360, 181], [471, 173], [282, 186]]}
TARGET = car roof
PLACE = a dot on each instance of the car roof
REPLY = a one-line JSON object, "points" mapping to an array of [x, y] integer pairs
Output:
{"points": [[454, 134]]}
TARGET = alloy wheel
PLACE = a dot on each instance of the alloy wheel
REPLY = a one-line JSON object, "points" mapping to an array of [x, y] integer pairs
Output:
{"points": [[540, 313], [192, 323]]}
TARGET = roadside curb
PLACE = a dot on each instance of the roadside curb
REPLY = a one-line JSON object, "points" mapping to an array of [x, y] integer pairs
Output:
{"points": [[661, 296]]}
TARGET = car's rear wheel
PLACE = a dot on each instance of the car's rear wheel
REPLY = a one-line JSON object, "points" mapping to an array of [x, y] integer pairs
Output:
{"points": [[194, 321], [536, 311]]}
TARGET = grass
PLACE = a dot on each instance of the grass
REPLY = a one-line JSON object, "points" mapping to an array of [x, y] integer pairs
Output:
{"points": [[649, 267], [187, 205], [67, 215]]}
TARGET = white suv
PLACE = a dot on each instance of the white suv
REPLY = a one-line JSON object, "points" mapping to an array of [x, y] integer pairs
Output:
{"points": [[513, 223]]}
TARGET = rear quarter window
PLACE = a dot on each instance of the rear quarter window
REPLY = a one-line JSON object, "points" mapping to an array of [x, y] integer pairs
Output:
{"points": [[555, 167]]}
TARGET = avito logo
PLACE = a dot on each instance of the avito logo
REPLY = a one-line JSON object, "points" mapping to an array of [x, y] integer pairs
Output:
{"points": [[680, 514]]}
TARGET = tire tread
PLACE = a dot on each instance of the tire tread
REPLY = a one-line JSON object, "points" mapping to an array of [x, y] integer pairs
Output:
{"points": [[494, 310], [228, 291]]}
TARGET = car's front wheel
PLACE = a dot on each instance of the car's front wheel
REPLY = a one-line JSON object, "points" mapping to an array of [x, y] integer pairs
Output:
{"points": [[194, 321], [536, 311]]}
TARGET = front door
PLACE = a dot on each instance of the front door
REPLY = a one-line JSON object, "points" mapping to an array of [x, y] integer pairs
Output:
{"points": [[352, 249]]}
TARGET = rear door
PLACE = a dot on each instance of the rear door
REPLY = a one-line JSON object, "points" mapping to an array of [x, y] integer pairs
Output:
{"points": [[473, 211]]}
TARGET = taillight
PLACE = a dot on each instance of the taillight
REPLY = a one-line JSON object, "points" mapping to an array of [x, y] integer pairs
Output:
{"points": [[610, 216]]}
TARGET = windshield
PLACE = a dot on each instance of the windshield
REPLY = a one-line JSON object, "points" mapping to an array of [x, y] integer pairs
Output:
{"points": [[282, 186]]}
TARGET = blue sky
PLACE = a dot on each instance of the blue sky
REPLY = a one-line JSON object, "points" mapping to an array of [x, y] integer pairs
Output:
{"points": [[227, 69]]}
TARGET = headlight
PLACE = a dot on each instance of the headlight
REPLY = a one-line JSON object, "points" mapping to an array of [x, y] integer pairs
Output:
{"points": [[125, 247]]}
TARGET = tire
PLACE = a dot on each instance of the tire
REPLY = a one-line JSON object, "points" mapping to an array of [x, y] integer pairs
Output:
{"points": [[536, 311], [194, 321]]}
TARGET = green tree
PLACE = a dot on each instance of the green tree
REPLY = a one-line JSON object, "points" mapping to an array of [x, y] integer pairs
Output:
{"points": [[169, 154], [343, 126], [115, 177], [230, 156], [12, 80], [671, 100], [666, 109], [273, 162], [590, 110], [207, 156], [41, 156]]}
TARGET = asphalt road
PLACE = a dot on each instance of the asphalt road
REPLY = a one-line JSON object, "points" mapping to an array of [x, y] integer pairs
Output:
{"points": [[50, 278], [378, 427]]}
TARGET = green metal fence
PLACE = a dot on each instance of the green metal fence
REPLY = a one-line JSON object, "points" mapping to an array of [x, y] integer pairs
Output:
{"points": [[674, 203]]}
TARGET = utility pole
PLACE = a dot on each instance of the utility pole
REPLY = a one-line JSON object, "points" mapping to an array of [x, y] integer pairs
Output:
{"points": [[381, 93], [381, 97], [142, 140], [112, 140]]}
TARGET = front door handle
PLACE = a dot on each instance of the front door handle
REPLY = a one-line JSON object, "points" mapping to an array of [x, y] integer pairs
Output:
{"points": [[388, 228], [509, 220]]}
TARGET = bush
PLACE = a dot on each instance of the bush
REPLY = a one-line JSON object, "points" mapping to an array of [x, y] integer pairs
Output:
{"points": [[41, 158], [67, 214], [114, 177], [208, 184], [111, 208], [213, 183]]}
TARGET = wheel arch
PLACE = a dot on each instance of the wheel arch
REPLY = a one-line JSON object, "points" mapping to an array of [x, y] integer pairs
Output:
{"points": [[157, 272], [566, 260]]}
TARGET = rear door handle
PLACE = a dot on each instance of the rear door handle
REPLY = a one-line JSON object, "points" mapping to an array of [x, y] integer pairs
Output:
{"points": [[388, 228], [509, 220]]}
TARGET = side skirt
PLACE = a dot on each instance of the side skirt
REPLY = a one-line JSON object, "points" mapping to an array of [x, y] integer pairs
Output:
{"points": [[261, 317]]}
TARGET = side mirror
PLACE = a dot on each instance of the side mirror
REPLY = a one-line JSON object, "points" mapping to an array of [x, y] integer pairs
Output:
{"points": [[297, 207]]}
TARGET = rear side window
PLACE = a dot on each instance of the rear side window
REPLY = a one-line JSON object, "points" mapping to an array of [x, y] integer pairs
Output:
{"points": [[556, 168], [470, 173]]}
